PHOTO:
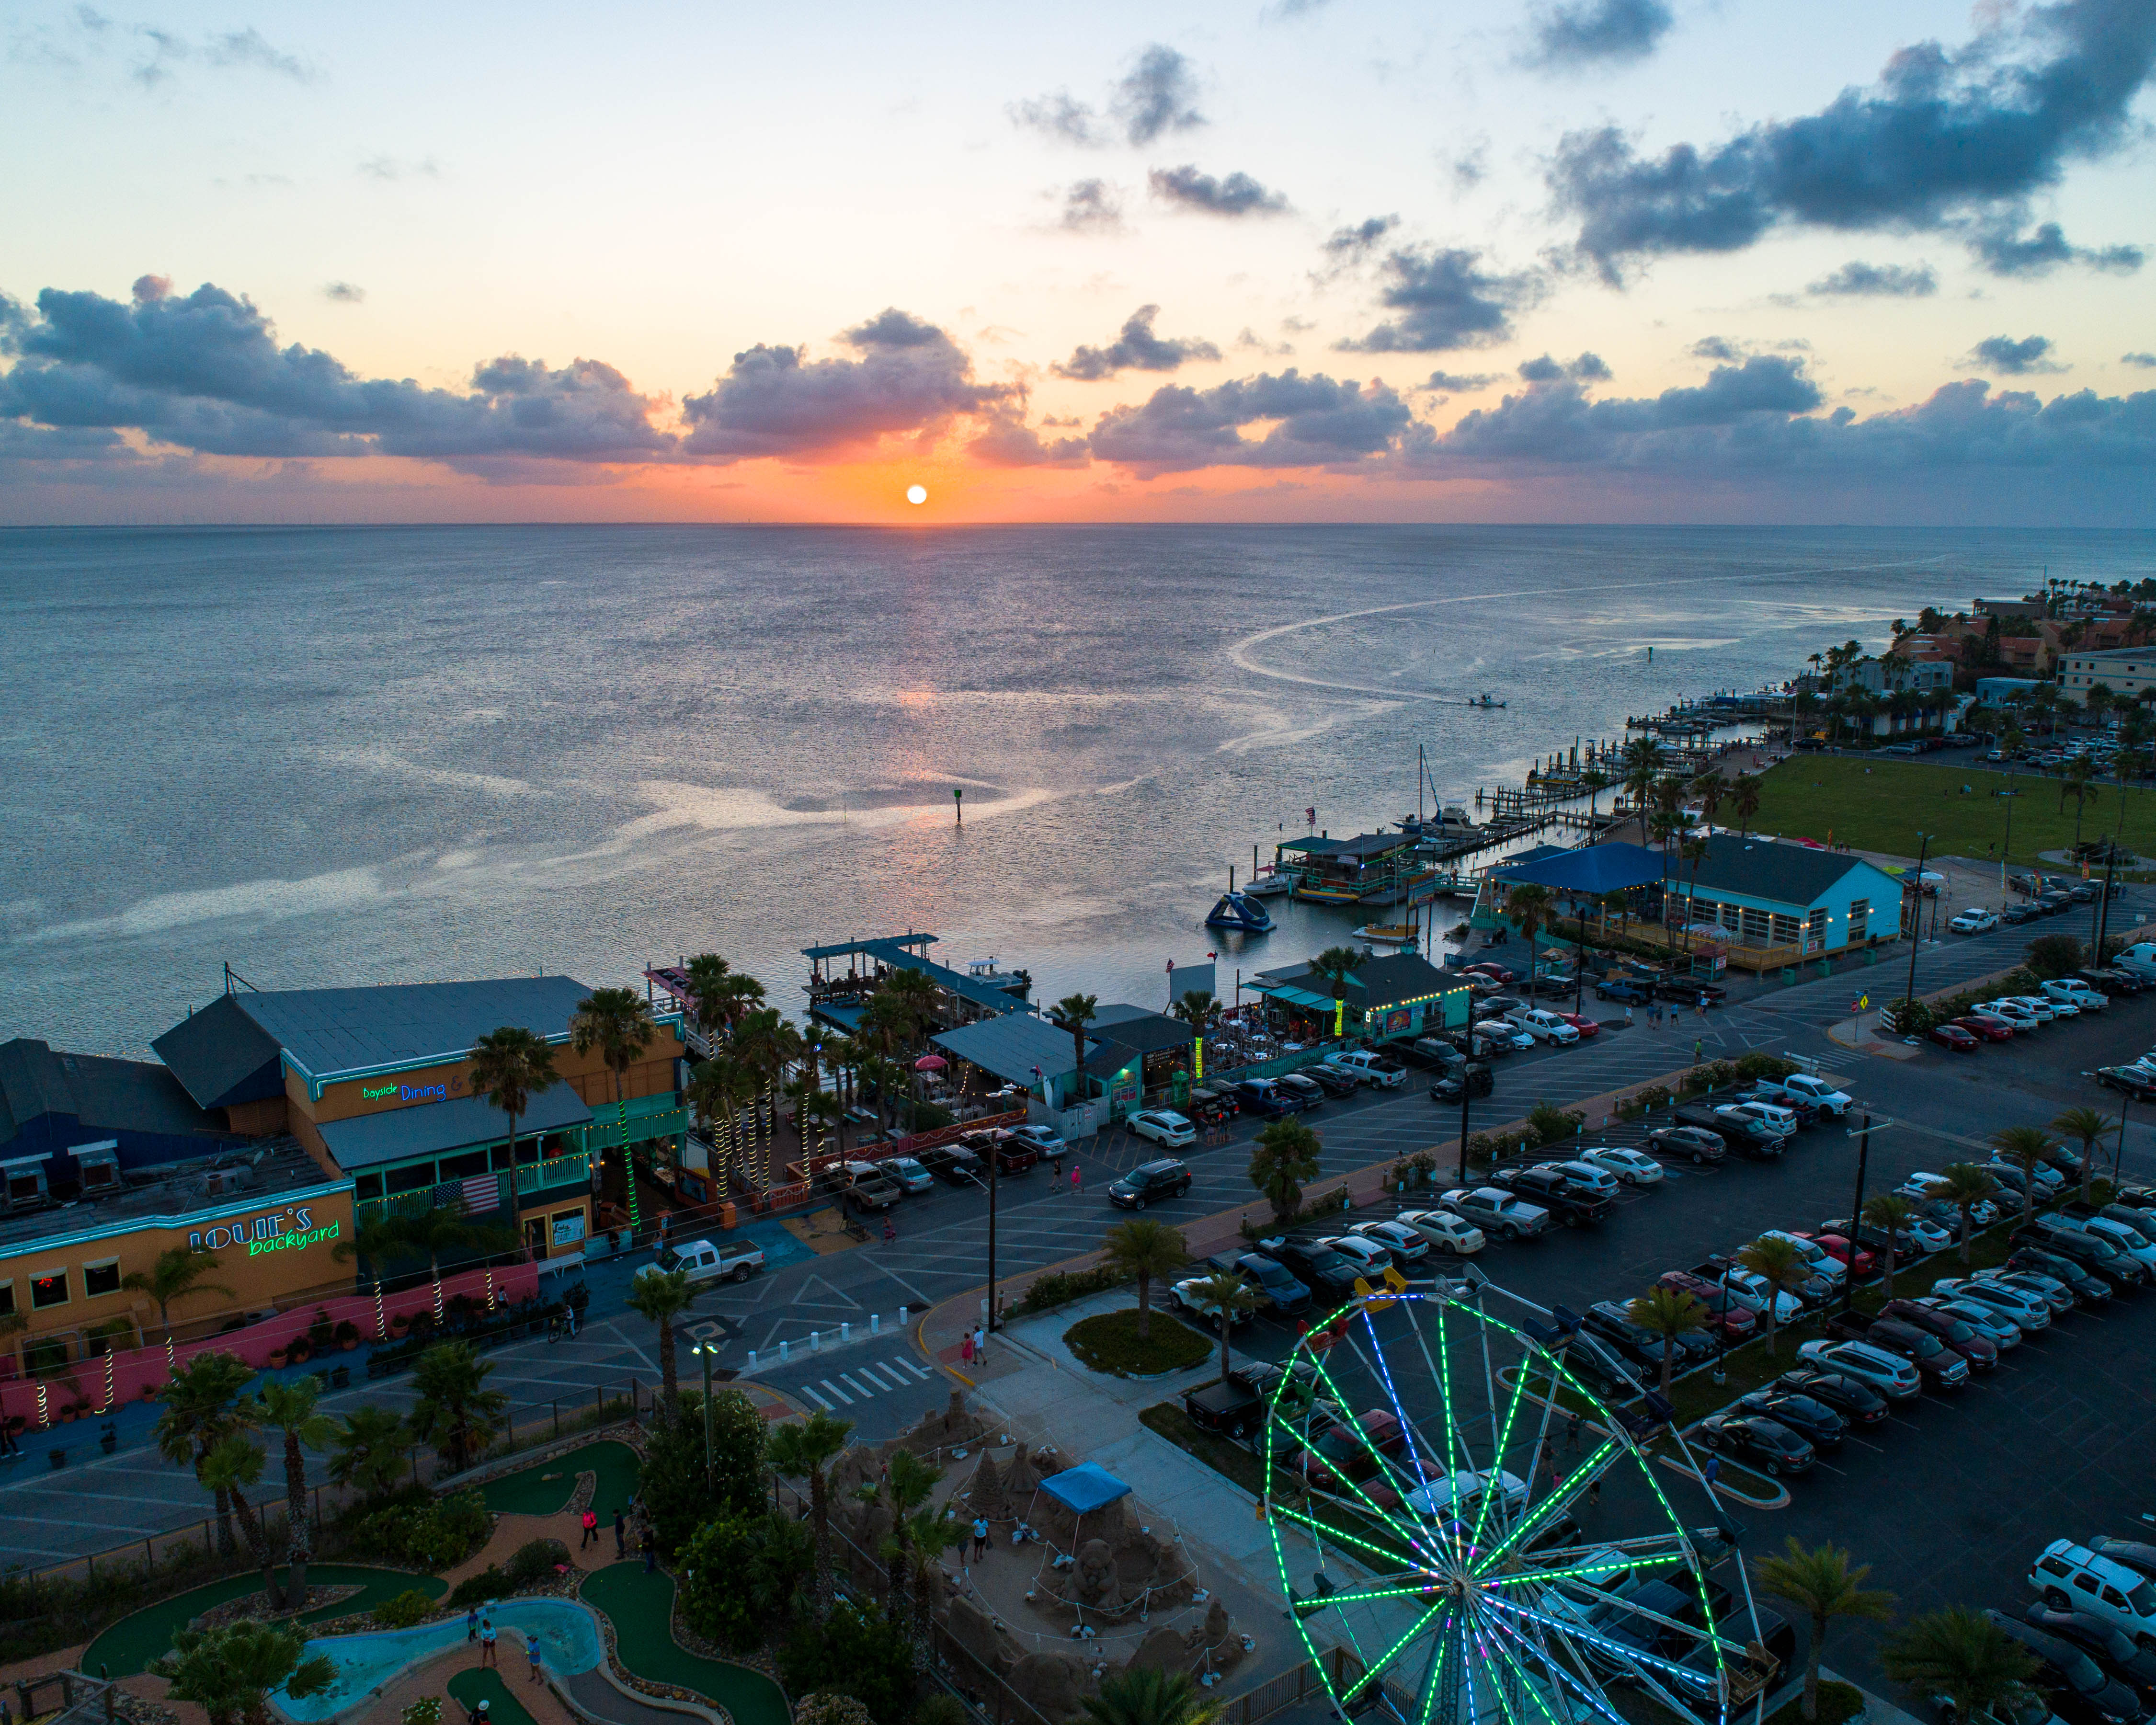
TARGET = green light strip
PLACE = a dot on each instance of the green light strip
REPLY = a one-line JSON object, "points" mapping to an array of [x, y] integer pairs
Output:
{"points": [[1497, 1457], [1556, 1500]]}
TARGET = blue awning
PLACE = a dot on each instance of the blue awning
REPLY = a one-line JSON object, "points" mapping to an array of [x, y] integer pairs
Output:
{"points": [[1086, 1486], [1599, 868]]}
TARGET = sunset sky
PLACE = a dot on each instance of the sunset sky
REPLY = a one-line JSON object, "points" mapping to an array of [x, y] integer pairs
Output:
{"points": [[1293, 259]]}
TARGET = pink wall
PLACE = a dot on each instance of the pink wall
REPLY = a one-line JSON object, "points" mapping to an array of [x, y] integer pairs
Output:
{"points": [[133, 1368]]}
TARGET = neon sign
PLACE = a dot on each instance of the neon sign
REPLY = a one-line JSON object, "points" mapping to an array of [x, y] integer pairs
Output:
{"points": [[407, 1092], [291, 1228]]}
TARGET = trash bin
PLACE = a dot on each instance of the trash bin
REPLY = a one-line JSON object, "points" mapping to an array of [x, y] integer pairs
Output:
{"points": [[726, 1214]]}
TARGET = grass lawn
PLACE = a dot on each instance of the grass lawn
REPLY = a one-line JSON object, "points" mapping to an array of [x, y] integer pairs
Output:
{"points": [[1110, 1343], [1883, 805]]}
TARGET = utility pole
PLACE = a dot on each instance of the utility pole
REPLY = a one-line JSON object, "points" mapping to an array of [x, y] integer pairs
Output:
{"points": [[1916, 918], [1856, 1216], [1466, 1091]]}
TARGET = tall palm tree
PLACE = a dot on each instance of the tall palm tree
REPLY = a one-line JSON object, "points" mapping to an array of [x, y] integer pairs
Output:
{"points": [[719, 1090], [662, 1296], [1964, 1185], [1744, 796], [1143, 1248], [1073, 1013], [367, 1451], [1594, 782], [1960, 1654], [929, 1532], [1710, 787], [1820, 1583], [1144, 1695], [455, 1412], [375, 1239], [1777, 1262], [201, 1406], [905, 1488], [2024, 1148], [231, 1671], [1694, 852], [2076, 784], [1195, 1007], [509, 1067], [448, 1228], [231, 1470], [1668, 1315], [617, 1023], [805, 1449], [707, 973], [176, 1274], [2089, 1127], [1226, 1295], [1530, 906], [1334, 965], [288, 1408], [1889, 1212]]}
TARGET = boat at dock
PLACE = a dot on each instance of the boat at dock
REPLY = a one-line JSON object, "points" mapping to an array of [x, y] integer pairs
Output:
{"points": [[1270, 885], [1240, 913], [1389, 934]]}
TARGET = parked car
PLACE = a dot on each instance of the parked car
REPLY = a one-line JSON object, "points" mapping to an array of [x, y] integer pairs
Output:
{"points": [[1492, 968], [2109, 981], [2117, 1654], [2088, 1288], [1300, 1084], [1811, 1420], [1498, 1213], [1263, 1097], [909, 1172], [1693, 1143], [1610, 1320], [1808, 1088], [1979, 1350], [1271, 1280], [1209, 1108], [1543, 1025], [1150, 1182], [2026, 1308], [1446, 1231], [1318, 1268], [1471, 1080], [1989, 1322], [1938, 1366], [1985, 1027], [1185, 1297], [1284, 1388], [1631, 994], [2134, 1082], [2073, 1577], [1975, 920], [1632, 1167], [2077, 992], [866, 1187], [1331, 1080], [1163, 1127], [736, 1260], [1347, 1453], [1823, 1263], [1767, 1444], [1044, 1139], [2097, 1257], [2078, 1691], [1955, 1039], [1406, 1246], [1727, 1313], [1365, 1067], [1750, 1289], [1556, 1192], [1689, 990], [1500, 1036], [1856, 1402], [1859, 1261], [1892, 1375], [952, 1163]]}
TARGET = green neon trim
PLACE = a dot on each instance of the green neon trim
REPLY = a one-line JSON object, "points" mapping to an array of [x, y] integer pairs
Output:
{"points": [[1497, 1459], [1372, 1673], [1536, 1516]]}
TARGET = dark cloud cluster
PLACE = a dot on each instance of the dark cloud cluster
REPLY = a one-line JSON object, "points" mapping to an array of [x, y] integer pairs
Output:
{"points": [[1236, 195], [1858, 279], [2004, 250], [2016, 359], [1091, 206], [1136, 348], [1157, 96], [1444, 298], [1945, 137], [1352, 245], [909, 377], [2145, 361], [1586, 368], [343, 293], [1459, 383], [1584, 32], [1316, 421]]}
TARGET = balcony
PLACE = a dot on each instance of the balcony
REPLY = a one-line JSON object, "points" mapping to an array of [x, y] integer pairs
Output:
{"points": [[573, 1169]]}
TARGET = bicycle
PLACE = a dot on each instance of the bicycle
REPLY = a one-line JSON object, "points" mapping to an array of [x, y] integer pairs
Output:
{"points": [[855, 1230]]}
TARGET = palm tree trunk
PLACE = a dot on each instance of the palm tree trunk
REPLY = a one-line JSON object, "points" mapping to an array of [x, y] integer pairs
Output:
{"points": [[1890, 1267], [1812, 1669], [1669, 1353], [298, 1542], [1224, 1322], [819, 1516], [927, 1574], [1964, 1236], [258, 1547], [667, 1370]]}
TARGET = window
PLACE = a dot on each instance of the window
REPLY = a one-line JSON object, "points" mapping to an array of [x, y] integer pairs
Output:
{"points": [[456, 1167], [48, 1290], [100, 1278], [1755, 927], [1815, 931], [1860, 913], [367, 1186], [6, 1299], [416, 1178], [1785, 931], [498, 1157]]}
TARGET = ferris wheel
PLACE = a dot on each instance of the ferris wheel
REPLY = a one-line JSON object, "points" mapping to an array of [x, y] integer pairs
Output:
{"points": [[1426, 1501]]}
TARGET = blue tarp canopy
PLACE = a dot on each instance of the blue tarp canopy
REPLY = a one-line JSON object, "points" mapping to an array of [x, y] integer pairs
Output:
{"points": [[1599, 868], [1086, 1486]]}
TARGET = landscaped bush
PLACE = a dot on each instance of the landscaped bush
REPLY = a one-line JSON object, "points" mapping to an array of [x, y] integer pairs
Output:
{"points": [[1644, 1101], [1110, 1343], [856, 1652], [1060, 1287], [491, 1583], [535, 1562], [1756, 1066], [828, 1708], [673, 1482], [435, 1533], [715, 1600], [406, 1609], [2055, 955], [939, 1707], [1553, 1125]]}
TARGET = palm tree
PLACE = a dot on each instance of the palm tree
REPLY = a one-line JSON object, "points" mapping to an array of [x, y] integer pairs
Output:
{"points": [[2075, 784], [707, 973], [2024, 1148], [1195, 1007], [1694, 852], [1744, 795], [929, 1532], [2089, 1127], [719, 1090], [1710, 787], [1529, 906], [1960, 1654], [1225, 1294], [1594, 782], [1074, 1012], [1283, 1156], [231, 1470], [202, 1406], [1335, 966], [1964, 1185], [1777, 1262], [905, 1488], [1668, 1315], [375, 1239], [448, 1228], [1889, 1212], [804, 1450], [1820, 1583], [1147, 1696], [618, 1024], [176, 1273], [662, 1296], [231, 1671], [456, 1412], [1143, 1248], [289, 1408], [367, 1451], [509, 1067]]}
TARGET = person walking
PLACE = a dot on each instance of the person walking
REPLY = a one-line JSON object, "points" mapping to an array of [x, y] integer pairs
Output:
{"points": [[980, 1346], [486, 1649], [591, 1528], [1701, 1010], [1628, 1014], [1712, 1471], [890, 1231], [532, 1651], [1077, 1179], [620, 1535], [980, 1538], [471, 1625], [1572, 1431], [1698, 1049]]}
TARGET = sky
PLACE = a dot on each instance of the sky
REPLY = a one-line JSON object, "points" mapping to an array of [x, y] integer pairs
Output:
{"points": [[1563, 260]]}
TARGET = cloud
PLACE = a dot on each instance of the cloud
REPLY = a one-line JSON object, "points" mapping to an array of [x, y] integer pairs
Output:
{"points": [[1091, 206], [389, 167], [343, 293], [1945, 136], [1006, 440], [1352, 245], [1136, 348], [1715, 347], [1316, 421], [1468, 168], [910, 377], [246, 48], [1459, 383], [203, 372], [2145, 361], [1587, 33], [1859, 279], [2017, 359], [1250, 340], [1237, 195], [1587, 369], [1446, 299], [1157, 96], [2004, 251]]}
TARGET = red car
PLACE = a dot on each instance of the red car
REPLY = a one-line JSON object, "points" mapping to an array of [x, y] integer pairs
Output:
{"points": [[1986, 1029], [1495, 971], [1580, 1022], [1954, 1038], [1736, 1322], [1343, 1453], [1835, 1246]]}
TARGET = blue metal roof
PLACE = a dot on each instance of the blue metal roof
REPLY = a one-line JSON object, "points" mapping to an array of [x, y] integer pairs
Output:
{"points": [[1012, 1047], [436, 1128], [329, 1032], [1598, 868]]}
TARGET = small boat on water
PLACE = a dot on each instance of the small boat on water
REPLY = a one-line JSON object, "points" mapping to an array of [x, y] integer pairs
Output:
{"points": [[1487, 700], [1327, 894], [1241, 914], [1268, 886], [1390, 934]]}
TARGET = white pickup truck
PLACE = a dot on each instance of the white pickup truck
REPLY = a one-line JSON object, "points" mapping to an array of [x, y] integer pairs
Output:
{"points": [[1805, 1087], [1365, 1067], [736, 1260]]}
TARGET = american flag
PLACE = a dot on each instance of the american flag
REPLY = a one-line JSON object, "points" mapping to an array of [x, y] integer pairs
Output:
{"points": [[481, 1192]]}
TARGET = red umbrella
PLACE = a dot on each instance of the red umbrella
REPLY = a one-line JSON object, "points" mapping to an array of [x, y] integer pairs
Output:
{"points": [[930, 1063]]}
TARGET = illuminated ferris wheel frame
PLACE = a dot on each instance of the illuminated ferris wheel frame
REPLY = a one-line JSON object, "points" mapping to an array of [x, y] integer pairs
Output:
{"points": [[1498, 1631]]}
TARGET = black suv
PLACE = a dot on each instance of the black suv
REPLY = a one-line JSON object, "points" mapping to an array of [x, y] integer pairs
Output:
{"points": [[1150, 1182], [1472, 1078], [1565, 1202], [1319, 1268]]}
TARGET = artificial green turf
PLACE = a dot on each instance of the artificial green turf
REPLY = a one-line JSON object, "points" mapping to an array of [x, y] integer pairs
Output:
{"points": [[641, 1607], [544, 1489], [479, 1683], [1884, 806], [140, 1636]]}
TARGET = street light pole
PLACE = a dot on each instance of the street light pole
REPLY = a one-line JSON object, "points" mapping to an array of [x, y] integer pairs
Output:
{"points": [[1466, 1091], [1916, 918], [1856, 1216], [704, 1353]]}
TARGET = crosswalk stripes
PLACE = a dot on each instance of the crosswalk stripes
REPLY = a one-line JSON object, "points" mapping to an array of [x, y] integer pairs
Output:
{"points": [[882, 1377]]}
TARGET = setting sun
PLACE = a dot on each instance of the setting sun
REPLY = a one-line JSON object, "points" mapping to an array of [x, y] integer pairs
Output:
{"points": [[916, 493]]}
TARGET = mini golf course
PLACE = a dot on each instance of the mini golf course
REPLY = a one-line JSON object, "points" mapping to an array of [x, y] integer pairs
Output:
{"points": [[471, 1687], [130, 1644], [641, 1609], [546, 1488]]}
